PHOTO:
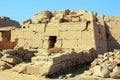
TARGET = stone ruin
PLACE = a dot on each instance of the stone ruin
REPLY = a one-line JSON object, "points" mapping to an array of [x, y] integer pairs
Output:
{"points": [[53, 42], [105, 66], [6, 22]]}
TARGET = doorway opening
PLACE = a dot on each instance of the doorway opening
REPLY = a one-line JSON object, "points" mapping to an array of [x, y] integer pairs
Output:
{"points": [[52, 41], [6, 36]]}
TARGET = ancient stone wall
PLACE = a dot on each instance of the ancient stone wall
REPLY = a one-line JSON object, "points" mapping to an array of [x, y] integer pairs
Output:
{"points": [[38, 33], [113, 31], [45, 64], [68, 35], [67, 29], [6, 25], [100, 35], [62, 41], [5, 37]]}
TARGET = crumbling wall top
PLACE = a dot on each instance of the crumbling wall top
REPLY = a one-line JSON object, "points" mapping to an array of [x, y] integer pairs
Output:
{"points": [[64, 15]]}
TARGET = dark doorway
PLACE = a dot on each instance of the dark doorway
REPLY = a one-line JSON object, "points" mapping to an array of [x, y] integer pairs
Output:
{"points": [[6, 35], [52, 41]]}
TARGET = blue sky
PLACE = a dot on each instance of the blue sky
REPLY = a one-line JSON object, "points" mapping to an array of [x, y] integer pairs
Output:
{"points": [[21, 10]]}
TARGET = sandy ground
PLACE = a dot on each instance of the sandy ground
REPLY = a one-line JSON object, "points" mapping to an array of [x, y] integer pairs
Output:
{"points": [[9, 75]]}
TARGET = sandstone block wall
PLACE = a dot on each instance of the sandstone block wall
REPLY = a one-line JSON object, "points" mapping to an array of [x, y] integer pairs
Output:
{"points": [[46, 64], [74, 29], [6, 25], [67, 29], [68, 35], [100, 34], [5, 43], [113, 32]]}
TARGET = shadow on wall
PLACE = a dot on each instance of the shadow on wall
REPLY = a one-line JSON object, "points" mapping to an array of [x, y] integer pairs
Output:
{"points": [[111, 41], [100, 38], [104, 39]]}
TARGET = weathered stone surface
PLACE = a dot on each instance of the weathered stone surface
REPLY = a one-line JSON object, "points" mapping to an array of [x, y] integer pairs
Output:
{"points": [[58, 62], [10, 52], [42, 17], [88, 73], [116, 73], [21, 51], [33, 69], [65, 12], [21, 68], [40, 68], [106, 65], [55, 59], [83, 26], [101, 71], [39, 58], [48, 30], [29, 21], [4, 65], [11, 59]]}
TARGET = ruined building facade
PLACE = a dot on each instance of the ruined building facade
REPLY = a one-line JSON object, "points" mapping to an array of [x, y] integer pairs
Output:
{"points": [[79, 30], [6, 25]]}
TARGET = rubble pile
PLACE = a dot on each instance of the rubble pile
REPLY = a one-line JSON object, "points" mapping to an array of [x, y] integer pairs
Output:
{"points": [[65, 15], [106, 65], [46, 63], [11, 57]]}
